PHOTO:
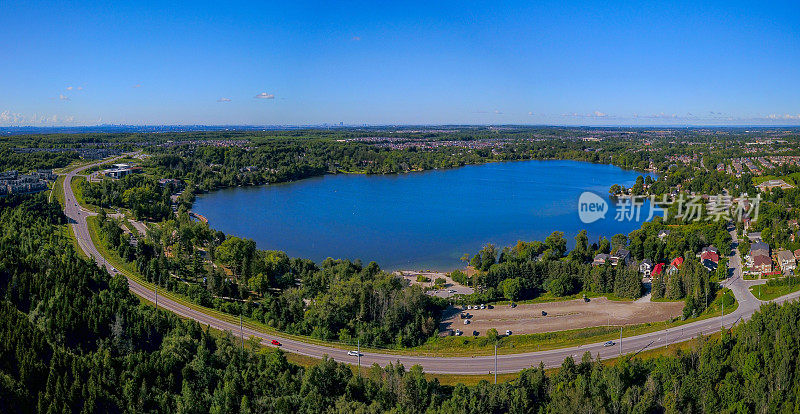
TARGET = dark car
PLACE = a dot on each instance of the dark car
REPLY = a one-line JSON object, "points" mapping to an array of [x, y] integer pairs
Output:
{"points": [[544, 313]]}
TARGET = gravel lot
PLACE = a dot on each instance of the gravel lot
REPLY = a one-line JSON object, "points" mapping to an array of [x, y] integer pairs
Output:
{"points": [[573, 314]]}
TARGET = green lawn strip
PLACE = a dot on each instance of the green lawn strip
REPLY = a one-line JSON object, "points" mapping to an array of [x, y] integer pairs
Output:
{"points": [[548, 297], [58, 189], [67, 232], [764, 292]]}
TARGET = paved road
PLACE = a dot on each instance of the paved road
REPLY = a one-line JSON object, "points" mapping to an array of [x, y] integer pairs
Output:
{"points": [[444, 365]]}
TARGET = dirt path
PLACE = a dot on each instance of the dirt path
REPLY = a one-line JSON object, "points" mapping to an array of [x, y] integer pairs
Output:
{"points": [[573, 314]]}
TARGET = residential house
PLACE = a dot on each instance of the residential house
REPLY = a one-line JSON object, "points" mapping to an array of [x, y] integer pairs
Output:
{"points": [[621, 256], [646, 267], [754, 237], [600, 259], [761, 264], [758, 248], [710, 260], [786, 261], [657, 270], [675, 265]]}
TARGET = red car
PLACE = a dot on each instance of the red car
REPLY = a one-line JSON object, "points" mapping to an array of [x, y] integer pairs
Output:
{"points": [[276, 343]]}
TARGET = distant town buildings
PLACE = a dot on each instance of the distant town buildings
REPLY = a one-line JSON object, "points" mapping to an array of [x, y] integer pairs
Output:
{"points": [[12, 183]]}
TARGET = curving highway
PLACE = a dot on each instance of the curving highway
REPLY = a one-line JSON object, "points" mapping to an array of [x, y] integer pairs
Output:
{"points": [[748, 304]]}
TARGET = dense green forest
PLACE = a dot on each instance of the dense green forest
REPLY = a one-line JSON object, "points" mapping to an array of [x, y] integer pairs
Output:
{"points": [[74, 339]]}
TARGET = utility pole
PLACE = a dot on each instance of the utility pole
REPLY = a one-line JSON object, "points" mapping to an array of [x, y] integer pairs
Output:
{"points": [[495, 363]]}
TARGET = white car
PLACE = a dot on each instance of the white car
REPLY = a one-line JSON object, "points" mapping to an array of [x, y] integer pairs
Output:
{"points": [[508, 332], [469, 307], [354, 353], [458, 332], [609, 343], [466, 322], [483, 306], [451, 291]]}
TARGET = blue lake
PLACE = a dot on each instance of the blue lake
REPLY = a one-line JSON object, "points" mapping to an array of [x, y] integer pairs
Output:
{"points": [[424, 220]]}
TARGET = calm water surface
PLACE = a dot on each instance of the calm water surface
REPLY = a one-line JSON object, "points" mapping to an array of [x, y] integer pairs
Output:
{"points": [[425, 220]]}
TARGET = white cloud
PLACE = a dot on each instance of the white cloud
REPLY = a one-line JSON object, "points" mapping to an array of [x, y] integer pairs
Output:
{"points": [[355, 38], [599, 114], [530, 112], [69, 88], [264, 95], [137, 85], [497, 112], [224, 100], [63, 97]]}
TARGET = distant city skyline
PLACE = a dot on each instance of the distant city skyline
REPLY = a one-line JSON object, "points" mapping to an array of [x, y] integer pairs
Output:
{"points": [[411, 63]]}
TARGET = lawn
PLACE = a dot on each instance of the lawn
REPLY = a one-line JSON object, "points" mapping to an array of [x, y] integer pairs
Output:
{"points": [[764, 292]]}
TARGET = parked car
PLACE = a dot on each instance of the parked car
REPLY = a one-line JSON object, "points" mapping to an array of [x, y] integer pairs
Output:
{"points": [[354, 353], [513, 305], [483, 306], [276, 343], [609, 343], [466, 322], [508, 332], [451, 291], [458, 332], [544, 313], [475, 333]]}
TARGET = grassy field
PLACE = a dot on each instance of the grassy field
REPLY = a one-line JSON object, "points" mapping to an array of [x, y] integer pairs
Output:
{"points": [[548, 297], [764, 292]]}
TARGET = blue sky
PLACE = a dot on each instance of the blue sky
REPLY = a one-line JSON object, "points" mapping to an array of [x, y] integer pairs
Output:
{"points": [[432, 62]]}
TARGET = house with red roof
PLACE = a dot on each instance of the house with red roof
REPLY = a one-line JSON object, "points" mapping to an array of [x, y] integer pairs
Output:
{"points": [[657, 270], [675, 265], [762, 264], [710, 260]]}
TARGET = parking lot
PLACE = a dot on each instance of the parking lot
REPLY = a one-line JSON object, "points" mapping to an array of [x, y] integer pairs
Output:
{"points": [[560, 316]]}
